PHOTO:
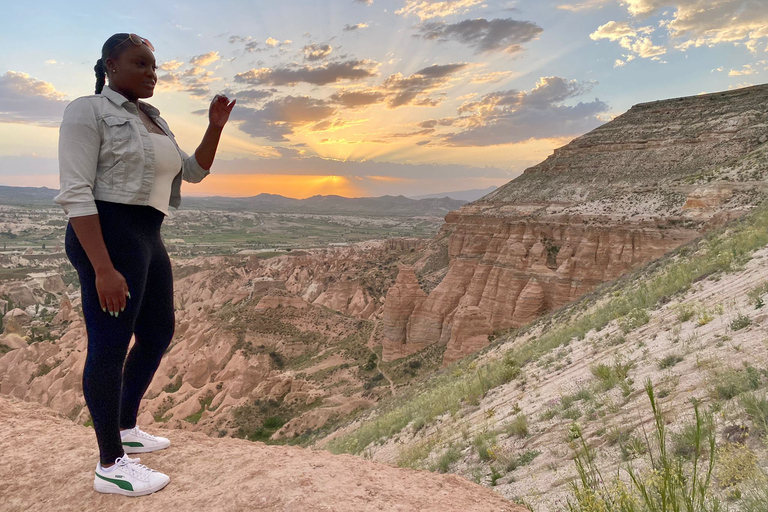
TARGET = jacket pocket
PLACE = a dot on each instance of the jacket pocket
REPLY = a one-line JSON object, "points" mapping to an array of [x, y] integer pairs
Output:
{"points": [[124, 139], [119, 131]]}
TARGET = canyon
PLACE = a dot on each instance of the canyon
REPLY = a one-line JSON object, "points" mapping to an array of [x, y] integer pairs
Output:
{"points": [[611, 200], [286, 348]]}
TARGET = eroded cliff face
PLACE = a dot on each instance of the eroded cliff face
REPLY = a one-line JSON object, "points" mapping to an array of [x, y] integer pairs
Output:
{"points": [[611, 200]]}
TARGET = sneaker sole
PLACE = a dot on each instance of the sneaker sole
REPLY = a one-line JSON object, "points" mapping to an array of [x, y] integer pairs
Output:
{"points": [[107, 488]]}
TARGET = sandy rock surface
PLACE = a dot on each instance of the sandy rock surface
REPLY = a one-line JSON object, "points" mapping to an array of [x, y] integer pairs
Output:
{"points": [[48, 464]]}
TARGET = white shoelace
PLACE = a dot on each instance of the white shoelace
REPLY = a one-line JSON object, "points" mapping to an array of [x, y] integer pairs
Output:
{"points": [[133, 468], [138, 432]]}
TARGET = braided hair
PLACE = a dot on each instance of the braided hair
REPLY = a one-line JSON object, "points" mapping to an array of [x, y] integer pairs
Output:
{"points": [[109, 48]]}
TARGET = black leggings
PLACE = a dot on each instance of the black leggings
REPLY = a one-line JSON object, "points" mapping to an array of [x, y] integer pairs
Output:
{"points": [[113, 392]]}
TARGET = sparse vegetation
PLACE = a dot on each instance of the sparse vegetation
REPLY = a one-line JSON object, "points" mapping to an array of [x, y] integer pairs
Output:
{"points": [[730, 383], [740, 322], [756, 408], [205, 403], [669, 485], [670, 361], [174, 386], [518, 427]]}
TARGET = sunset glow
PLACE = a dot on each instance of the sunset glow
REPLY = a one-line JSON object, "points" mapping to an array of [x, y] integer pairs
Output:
{"points": [[374, 97]]}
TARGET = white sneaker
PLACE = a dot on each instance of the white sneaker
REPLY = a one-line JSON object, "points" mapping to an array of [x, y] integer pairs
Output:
{"points": [[129, 478], [136, 440]]}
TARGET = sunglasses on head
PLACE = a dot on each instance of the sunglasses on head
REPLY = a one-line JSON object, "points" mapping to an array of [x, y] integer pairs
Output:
{"points": [[138, 41]]}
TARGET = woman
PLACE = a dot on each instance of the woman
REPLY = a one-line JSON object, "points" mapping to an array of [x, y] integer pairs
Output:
{"points": [[120, 169]]}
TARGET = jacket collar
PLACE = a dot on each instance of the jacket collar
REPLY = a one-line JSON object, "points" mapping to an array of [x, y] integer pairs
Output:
{"points": [[120, 100]]}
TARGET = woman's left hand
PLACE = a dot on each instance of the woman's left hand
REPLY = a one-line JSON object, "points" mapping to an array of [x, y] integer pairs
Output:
{"points": [[218, 114]]}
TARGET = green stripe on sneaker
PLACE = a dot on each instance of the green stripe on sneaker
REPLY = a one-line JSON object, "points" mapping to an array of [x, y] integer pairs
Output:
{"points": [[120, 483], [133, 444]]}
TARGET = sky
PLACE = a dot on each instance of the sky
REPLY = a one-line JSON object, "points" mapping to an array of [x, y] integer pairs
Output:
{"points": [[366, 98]]}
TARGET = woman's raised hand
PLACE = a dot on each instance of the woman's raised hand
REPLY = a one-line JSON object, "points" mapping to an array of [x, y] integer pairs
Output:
{"points": [[218, 113]]}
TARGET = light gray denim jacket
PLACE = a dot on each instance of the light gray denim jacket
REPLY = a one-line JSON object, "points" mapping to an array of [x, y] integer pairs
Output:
{"points": [[105, 153]]}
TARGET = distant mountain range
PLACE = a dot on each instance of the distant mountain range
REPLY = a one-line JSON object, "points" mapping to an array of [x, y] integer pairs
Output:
{"points": [[27, 196], [399, 206], [461, 195]]}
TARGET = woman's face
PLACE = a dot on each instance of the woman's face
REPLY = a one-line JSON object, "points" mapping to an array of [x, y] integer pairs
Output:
{"points": [[133, 72]]}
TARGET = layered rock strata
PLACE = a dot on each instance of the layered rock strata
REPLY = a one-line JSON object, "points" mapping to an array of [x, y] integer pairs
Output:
{"points": [[609, 201]]}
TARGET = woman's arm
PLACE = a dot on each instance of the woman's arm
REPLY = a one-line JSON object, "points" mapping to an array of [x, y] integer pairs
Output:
{"points": [[218, 115], [110, 284]]}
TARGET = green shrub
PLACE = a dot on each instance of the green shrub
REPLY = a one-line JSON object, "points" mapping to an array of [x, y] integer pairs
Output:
{"points": [[685, 311], [670, 361], [518, 426], [756, 293], [174, 386], [634, 319], [451, 455], [756, 407], [686, 442], [740, 322], [602, 371], [732, 382]]}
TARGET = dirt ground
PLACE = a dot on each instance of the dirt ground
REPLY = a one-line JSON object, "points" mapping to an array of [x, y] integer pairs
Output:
{"points": [[48, 464]]}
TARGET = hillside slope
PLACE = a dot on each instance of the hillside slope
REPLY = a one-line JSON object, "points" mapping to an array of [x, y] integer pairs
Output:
{"points": [[693, 323]]}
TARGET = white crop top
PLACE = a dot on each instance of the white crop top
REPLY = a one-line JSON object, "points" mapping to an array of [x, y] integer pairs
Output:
{"points": [[167, 166]]}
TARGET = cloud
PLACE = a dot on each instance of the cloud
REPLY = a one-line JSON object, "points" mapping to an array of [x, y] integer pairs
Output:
{"points": [[356, 26], [506, 117], [428, 9], [205, 59], [415, 89], [586, 5], [505, 35], [249, 96], [695, 23], [491, 78], [171, 65], [327, 125], [250, 44], [636, 40], [278, 118], [747, 69], [356, 99], [366, 2], [193, 80], [272, 42], [321, 75], [24, 99], [314, 52], [399, 90]]}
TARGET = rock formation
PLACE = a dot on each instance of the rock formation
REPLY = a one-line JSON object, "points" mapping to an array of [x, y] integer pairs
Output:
{"points": [[609, 201], [248, 331]]}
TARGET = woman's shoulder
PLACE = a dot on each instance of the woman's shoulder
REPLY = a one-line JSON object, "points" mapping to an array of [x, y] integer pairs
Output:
{"points": [[90, 98], [93, 104]]}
